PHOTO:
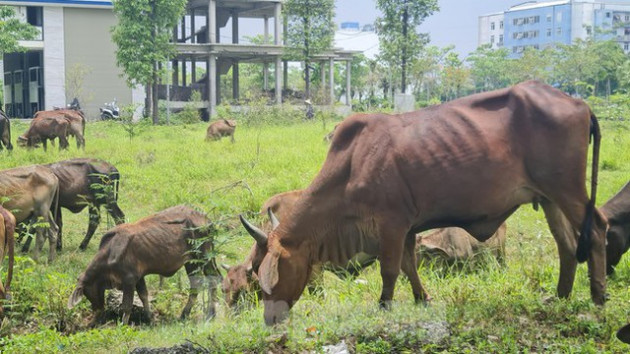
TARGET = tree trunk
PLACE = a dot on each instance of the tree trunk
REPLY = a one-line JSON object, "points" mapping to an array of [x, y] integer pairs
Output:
{"points": [[155, 110], [307, 79], [148, 101], [403, 66]]}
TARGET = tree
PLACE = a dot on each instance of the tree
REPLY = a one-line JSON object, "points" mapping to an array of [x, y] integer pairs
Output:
{"points": [[143, 36], [454, 76], [12, 30], [397, 31], [534, 64], [310, 31], [489, 68]]}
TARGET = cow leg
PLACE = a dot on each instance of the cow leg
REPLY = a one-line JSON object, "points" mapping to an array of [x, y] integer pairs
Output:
{"points": [[232, 137], [94, 220], [316, 281], [143, 293], [59, 223], [63, 142], [564, 235], [390, 257], [214, 278], [52, 231], [408, 266], [45, 144], [127, 301], [195, 283]]}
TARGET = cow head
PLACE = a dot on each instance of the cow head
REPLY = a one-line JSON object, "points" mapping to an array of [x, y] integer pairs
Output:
{"points": [[282, 271], [91, 290], [617, 242], [238, 280], [22, 141]]}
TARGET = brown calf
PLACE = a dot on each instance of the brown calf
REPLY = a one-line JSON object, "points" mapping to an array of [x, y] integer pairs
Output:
{"points": [[5, 131], [454, 245], [44, 129], [157, 244], [76, 121], [7, 247], [221, 128], [617, 211]]}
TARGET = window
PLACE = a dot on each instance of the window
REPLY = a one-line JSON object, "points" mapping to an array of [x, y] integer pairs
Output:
{"points": [[626, 46], [492, 39], [34, 15], [559, 17], [492, 26], [627, 18], [548, 17], [515, 22], [559, 31], [513, 49], [501, 24], [548, 32], [514, 35], [607, 14], [500, 39], [525, 34], [588, 30]]}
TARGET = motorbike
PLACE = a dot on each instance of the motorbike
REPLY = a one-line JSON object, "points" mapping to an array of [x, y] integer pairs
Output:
{"points": [[110, 111]]}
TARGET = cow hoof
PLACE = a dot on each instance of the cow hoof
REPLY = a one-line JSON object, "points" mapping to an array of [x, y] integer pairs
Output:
{"points": [[385, 304]]}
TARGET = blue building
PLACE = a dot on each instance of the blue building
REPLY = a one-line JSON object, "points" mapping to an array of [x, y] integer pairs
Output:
{"points": [[544, 24]]}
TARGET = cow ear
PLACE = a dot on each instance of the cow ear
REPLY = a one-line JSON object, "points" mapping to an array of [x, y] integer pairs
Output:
{"points": [[76, 297], [117, 248], [268, 272]]}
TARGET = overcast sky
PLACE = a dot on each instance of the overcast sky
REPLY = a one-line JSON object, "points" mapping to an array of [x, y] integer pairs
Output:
{"points": [[456, 22]]}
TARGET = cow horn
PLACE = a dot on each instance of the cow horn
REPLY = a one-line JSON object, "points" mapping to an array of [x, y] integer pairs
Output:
{"points": [[274, 220], [257, 234], [225, 266]]}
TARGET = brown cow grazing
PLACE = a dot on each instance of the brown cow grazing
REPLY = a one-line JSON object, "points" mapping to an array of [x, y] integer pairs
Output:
{"points": [[454, 245], [85, 183], [468, 163], [157, 244], [241, 279], [617, 211], [7, 247], [44, 129], [32, 192], [5, 131], [221, 128], [76, 120]]}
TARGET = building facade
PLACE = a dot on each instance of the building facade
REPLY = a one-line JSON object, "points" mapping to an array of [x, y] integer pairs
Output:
{"points": [[547, 23], [73, 56]]}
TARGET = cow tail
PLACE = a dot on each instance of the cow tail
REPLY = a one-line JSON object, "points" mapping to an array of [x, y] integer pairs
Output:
{"points": [[9, 225], [584, 242]]}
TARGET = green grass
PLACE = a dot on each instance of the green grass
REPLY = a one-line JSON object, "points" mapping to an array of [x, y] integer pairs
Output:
{"points": [[493, 309]]}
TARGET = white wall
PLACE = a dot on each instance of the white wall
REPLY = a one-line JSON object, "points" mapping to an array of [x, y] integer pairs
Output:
{"points": [[54, 58]]}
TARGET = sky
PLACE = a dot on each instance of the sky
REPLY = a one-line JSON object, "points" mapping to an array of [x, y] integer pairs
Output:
{"points": [[456, 23]]}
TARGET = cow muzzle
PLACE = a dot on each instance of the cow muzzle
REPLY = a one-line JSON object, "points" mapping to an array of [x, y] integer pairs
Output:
{"points": [[275, 312]]}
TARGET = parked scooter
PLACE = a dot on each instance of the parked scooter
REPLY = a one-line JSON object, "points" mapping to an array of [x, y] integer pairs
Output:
{"points": [[110, 111], [74, 105]]}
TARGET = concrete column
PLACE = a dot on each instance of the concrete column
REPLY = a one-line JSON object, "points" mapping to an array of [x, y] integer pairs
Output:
{"points": [[277, 23], [193, 38], [235, 80], [265, 76], [175, 73], [212, 81], [212, 21], [184, 71], [266, 37], [331, 80], [234, 27], [322, 74], [183, 25], [348, 83], [285, 70], [193, 71], [218, 83], [278, 81]]}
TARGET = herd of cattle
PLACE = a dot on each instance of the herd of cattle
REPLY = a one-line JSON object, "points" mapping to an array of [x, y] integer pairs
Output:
{"points": [[462, 168]]}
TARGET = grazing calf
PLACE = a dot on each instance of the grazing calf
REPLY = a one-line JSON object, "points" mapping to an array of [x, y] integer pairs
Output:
{"points": [[32, 192], [158, 244], [76, 123], [44, 129], [5, 131], [7, 247], [454, 245], [241, 279], [617, 211], [221, 128]]}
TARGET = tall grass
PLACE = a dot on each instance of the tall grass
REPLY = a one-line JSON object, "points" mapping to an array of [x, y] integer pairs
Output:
{"points": [[493, 309]]}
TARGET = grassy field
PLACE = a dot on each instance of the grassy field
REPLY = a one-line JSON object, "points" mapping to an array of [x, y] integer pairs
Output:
{"points": [[493, 309]]}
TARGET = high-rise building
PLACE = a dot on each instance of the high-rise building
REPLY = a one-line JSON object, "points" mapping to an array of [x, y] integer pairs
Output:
{"points": [[546, 23]]}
